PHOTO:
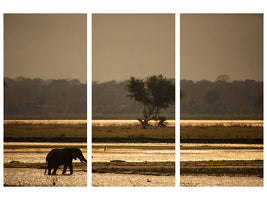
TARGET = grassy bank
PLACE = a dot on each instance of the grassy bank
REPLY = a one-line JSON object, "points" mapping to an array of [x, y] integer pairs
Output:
{"points": [[148, 168], [132, 134], [224, 167], [219, 134], [45, 132]]}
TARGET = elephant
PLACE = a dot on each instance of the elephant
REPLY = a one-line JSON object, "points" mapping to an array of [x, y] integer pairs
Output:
{"points": [[57, 157]]}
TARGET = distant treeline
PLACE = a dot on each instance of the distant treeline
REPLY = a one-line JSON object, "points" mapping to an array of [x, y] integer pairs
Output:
{"points": [[110, 99], [26, 98], [234, 98]]}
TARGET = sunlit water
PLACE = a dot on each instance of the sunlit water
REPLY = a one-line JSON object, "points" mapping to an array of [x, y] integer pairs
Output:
{"points": [[247, 123], [125, 122], [30, 152], [45, 121], [129, 180], [205, 152], [220, 181], [36, 177], [133, 152]]}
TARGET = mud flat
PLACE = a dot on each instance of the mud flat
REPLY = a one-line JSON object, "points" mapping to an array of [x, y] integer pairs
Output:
{"points": [[221, 173], [223, 167], [147, 168], [140, 174]]}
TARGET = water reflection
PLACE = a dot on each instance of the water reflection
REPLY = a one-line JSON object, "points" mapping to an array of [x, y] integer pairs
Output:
{"points": [[133, 152], [30, 152], [45, 121], [205, 152], [36, 177], [247, 123], [126, 122]]}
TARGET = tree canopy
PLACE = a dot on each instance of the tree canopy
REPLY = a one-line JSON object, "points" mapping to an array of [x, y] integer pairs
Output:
{"points": [[153, 93]]}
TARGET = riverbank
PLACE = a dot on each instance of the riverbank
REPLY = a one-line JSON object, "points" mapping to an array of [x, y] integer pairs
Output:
{"points": [[223, 168], [221, 134], [30, 132], [144, 168], [132, 134]]}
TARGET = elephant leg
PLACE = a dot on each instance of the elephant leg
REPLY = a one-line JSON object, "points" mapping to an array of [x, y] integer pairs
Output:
{"points": [[49, 168], [55, 170], [64, 169], [49, 171], [71, 168]]}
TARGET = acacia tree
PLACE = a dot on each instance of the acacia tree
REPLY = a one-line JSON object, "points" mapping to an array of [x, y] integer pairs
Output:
{"points": [[153, 93]]}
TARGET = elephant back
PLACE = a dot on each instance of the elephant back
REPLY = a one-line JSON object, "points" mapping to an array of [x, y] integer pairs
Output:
{"points": [[52, 155]]}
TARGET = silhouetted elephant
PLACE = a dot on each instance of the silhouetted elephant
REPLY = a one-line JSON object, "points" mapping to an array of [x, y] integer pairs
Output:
{"points": [[57, 157]]}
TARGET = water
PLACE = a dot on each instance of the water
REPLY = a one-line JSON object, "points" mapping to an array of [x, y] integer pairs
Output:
{"points": [[220, 152], [125, 122], [256, 123], [133, 152], [131, 180], [94, 122], [35, 152], [205, 152], [35, 177], [45, 121], [247, 123], [220, 181]]}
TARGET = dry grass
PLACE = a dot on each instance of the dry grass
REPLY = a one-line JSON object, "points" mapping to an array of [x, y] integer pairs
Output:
{"points": [[219, 133], [132, 134], [45, 132]]}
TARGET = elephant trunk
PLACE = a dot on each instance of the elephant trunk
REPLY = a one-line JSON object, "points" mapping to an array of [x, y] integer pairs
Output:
{"points": [[83, 160]]}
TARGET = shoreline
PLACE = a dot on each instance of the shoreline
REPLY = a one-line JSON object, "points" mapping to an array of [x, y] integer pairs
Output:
{"points": [[222, 168], [240, 168], [143, 168]]}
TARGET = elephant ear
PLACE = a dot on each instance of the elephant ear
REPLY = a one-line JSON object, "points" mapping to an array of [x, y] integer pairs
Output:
{"points": [[74, 153]]}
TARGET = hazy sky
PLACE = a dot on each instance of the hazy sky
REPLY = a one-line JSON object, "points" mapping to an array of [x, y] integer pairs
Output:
{"points": [[48, 46], [139, 45], [215, 44]]}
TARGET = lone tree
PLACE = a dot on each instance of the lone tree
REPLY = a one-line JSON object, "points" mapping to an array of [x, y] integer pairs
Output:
{"points": [[153, 93]]}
